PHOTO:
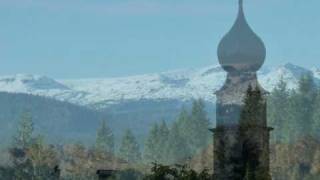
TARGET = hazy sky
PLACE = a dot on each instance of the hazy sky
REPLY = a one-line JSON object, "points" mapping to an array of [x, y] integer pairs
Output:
{"points": [[103, 38]]}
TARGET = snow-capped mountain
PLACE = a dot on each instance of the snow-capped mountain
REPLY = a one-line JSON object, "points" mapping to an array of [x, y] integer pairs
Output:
{"points": [[185, 84], [39, 85]]}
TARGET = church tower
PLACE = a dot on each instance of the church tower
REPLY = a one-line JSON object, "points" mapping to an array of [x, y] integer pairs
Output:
{"points": [[241, 151]]}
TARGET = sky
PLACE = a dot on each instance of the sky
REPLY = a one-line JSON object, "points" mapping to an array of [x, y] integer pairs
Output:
{"points": [[110, 38]]}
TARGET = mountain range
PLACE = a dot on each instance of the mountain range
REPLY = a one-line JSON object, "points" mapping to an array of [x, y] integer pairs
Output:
{"points": [[182, 85], [74, 107]]}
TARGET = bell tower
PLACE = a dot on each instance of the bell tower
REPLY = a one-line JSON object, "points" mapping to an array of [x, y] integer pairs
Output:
{"points": [[241, 152]]}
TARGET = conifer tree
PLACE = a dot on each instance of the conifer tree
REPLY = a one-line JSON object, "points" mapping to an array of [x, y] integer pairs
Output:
{"points": [[23, 138], [43, 158], [278, 112], [301, 107], [21, 143], [150, 149], [177, 149], [162, 141], [155, 145], [198, 127], [316, 116], [253, 111], [184, 123], [129, 149], [104, 139], [252, 117]]}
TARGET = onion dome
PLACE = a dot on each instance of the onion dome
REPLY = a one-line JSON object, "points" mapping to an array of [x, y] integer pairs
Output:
{"points": [[241, 50]]}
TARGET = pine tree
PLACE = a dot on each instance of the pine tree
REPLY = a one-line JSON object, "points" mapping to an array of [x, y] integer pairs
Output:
{"points": [[129, 149], [177, 149], [316, 116], [43, 158], [253, 112], [162, 141], [301, 107], [23, 139], [278, 112], [21, 143], [198, 130], [252, 118], [155, 145], [104, 139], [150, 149], [184, 123]]}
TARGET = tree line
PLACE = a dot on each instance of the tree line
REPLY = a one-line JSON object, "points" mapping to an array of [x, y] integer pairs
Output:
{"points": [[31, 157], [294, 113]]}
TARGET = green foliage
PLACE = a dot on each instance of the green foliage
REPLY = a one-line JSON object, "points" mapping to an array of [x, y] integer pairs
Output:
{"points": [[278, 112], [150, 149], [56, 119], [186, 137], [178, 172], [43, 158], [104, 139], [302, 106], [23, 139], [254, 109], [294, 113], [193, 127], [198, 126], [163, 137], [31, 158], [129, 149], [177, 148], [127, 174], [36, 162], [316, 116], [155, 145]]}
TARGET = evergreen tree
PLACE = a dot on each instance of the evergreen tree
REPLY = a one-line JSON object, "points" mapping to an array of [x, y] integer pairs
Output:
{"points": [[198, 130], [162, 141], [104, 139], [43, 158], [301, 107], [184, 123], [252, 117], [151, 144], [129, 149], [23, 138], [186, 134], [155, 145], [278, 112], [316, 116], [254, 109], [177, 149]]}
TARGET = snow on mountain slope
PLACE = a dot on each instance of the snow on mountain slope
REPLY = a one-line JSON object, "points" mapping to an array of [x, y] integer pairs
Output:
{"points": [[178, 85], [289, 73], [39, 85], [316, 72], [29, 83]]}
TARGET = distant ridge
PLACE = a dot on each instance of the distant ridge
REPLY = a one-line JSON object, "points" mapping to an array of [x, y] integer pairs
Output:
{"points": [[184, 85]]}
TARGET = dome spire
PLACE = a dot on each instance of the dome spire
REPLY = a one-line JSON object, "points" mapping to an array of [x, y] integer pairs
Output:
{"points": [[241, 16], [241, 5], [241, 50]]}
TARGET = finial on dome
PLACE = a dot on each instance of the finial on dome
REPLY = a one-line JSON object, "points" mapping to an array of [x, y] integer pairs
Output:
{"points": [[241, 13], [241, 50], [241, 4]]}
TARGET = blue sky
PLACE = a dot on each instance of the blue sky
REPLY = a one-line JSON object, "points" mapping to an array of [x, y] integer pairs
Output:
{"points": [[108, 38]]}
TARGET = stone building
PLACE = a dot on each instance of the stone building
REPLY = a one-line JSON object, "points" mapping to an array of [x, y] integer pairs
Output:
{"points": [[241, 142]]}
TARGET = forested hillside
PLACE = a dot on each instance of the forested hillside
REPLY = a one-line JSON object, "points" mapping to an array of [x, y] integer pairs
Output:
{"points": [[58, 121], [295, 145]]}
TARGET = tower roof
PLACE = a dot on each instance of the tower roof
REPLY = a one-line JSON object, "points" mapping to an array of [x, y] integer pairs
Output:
{"points": [[241, 50]]}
